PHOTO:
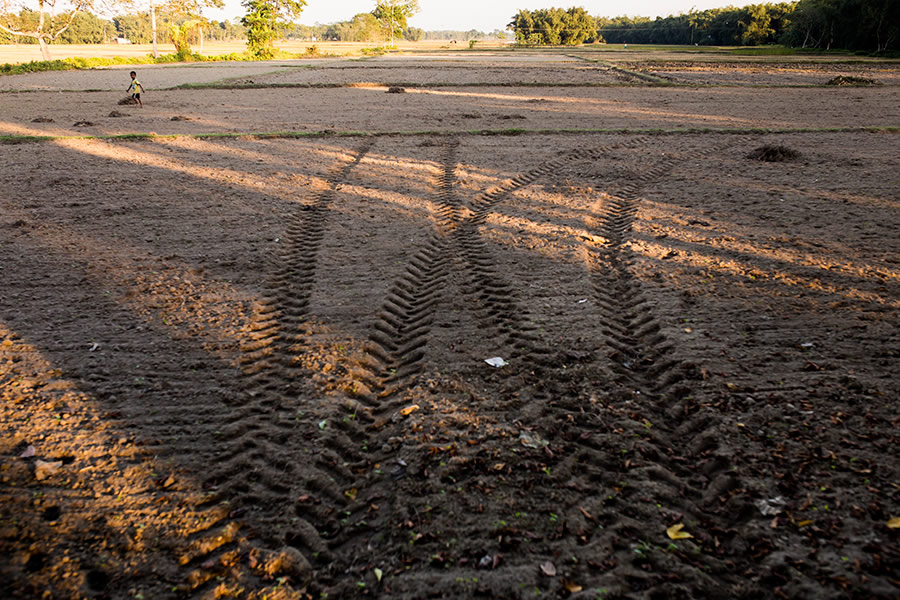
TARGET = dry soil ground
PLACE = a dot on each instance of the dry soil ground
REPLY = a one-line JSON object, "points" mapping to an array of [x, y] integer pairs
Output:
{"points": [[246, 366]]}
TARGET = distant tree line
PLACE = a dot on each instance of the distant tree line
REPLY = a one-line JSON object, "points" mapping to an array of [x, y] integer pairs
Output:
{"points": [[751, 25], [868, 25], [472, 34], [87, 28], [364, 27]]}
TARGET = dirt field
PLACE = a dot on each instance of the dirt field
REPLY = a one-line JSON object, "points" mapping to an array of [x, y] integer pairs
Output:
{"points": [[256, 367]]}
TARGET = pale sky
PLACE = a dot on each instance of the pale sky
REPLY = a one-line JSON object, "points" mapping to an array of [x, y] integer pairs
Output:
{"points": [[483, 15]]}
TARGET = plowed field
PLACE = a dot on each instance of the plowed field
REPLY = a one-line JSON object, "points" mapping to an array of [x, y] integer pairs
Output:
{"points": [[257, 366]]}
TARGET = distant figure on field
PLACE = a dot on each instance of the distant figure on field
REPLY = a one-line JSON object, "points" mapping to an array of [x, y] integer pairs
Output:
{"points": [[135, 89]]}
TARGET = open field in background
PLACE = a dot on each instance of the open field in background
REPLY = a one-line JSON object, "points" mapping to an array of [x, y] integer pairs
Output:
{"points": [[245, 357], [30, 52], [25, 53]]}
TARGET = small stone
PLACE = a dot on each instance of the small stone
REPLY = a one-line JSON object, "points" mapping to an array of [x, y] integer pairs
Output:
{"points": [[43, 469]]}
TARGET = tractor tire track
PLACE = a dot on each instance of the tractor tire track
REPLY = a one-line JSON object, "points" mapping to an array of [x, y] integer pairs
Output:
{"points": [[499, 310], [394, 353], [397, 346], [260, 466], [660, 476], [397, 352]]}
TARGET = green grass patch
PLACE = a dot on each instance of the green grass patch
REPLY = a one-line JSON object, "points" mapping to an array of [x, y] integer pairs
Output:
{"points": [[72, 64], [377, 51], [765, 51]]}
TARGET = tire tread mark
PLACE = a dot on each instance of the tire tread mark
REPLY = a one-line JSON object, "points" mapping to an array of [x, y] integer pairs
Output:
{"points": [[260, 431], [640, 357]]}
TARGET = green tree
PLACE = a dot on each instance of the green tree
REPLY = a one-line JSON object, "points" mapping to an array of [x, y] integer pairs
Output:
{"points": [[579, 27], [554, 26], [263, 19], [523, 26], [392, 15], [851, 24], [87, 28], [135, 28], [181, 36], [413, 34], [757, 26], [190, 9]]}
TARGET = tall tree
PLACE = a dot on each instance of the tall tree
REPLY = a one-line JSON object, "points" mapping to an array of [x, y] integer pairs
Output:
{"points": [[180, 8], [579, 27], [392, 15], [263, 19], [757, 25]]}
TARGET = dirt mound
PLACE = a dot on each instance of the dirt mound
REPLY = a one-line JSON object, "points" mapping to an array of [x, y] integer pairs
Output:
{"points": [[42, 120], [127, 100], [769, 153], [849, 80], [396, 90]]}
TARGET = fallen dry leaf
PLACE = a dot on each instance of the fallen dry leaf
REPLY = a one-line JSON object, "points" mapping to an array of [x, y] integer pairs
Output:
{"points": [[409, 410], [351, 493], [548, 569], [28, 453], [572, 587], [894, 523], [675, 532]]}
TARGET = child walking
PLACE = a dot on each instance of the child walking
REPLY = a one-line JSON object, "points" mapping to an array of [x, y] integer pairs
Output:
{"points": [[135, 89]]}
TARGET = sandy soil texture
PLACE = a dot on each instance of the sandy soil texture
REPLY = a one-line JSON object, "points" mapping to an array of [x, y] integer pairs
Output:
{"points": [[257, 367], [464, 103]]}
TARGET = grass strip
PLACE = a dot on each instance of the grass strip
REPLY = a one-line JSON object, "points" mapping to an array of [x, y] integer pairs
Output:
{"points": [[78, 63], [30, 139]]}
